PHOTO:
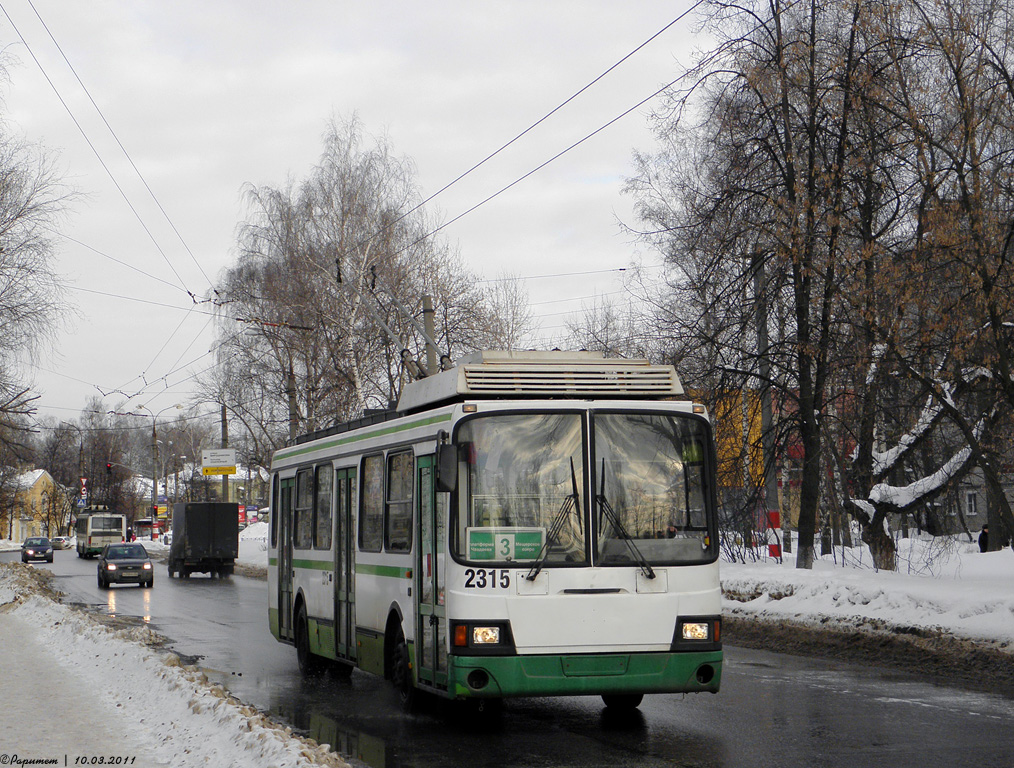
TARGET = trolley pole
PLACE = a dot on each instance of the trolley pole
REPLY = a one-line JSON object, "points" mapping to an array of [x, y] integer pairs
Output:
{"points": [[431, 333]]}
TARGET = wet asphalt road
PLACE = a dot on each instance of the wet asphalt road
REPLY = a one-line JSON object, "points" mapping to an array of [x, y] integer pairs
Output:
{"points": [[774, 709]]}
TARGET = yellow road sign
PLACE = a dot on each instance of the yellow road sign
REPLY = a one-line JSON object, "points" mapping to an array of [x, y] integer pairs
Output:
{"points": [[218, 470]]}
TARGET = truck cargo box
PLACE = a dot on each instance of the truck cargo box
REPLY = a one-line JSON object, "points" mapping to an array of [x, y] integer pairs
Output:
{"points": [[205, 538]]}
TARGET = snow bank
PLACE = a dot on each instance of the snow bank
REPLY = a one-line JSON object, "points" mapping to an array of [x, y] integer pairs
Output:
{"points": [[253, 545], [184, 718], [942, 586]]}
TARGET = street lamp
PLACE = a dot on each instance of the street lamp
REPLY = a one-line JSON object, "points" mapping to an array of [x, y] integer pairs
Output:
{"points": [[154, 454], [82, 494]]}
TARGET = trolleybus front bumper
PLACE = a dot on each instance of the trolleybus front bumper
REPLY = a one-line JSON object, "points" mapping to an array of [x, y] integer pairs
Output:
{"points": [[573, 675]]}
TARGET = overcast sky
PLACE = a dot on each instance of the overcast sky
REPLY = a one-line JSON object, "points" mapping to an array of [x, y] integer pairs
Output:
{"points": [[207, 97]]}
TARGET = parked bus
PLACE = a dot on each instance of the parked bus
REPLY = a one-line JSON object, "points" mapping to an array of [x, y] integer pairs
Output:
{"points": [[524, 524], [97, 529]]}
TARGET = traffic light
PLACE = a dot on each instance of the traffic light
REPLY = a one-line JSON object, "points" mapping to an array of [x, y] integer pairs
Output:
{"points": [[109, 467]]}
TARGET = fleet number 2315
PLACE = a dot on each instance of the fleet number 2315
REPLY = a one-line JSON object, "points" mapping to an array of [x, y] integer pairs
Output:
{"points": [[487, 578]]}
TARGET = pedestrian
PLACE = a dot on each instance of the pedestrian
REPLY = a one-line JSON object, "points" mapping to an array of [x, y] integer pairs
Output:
{"points": [[984, 539]]}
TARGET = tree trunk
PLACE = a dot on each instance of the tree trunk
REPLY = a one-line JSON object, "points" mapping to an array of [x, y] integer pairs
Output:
{"points": [[885, 554], [809, 487]]}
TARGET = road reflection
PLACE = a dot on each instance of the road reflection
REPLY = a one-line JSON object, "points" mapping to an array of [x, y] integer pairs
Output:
{"points": [[130, 607], [361, 720]]}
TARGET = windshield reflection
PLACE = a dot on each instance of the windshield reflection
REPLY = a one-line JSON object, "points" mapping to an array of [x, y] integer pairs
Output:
{"points": [[524, 499]]}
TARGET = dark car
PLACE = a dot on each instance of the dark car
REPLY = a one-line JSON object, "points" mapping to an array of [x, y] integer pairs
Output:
{"points": [[36, 548], [125, 563]]}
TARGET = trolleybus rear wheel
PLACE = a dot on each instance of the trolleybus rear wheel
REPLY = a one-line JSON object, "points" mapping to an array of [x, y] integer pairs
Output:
{"points": [[401, 673], [309, 664]]}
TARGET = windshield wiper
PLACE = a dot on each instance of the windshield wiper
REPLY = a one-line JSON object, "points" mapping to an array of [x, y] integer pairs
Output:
{"points": [[606, 507], [572, 502]]}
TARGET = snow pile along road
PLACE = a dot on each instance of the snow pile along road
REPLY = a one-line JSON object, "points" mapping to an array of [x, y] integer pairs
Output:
{"points": [[952, 589], [171, 710]]}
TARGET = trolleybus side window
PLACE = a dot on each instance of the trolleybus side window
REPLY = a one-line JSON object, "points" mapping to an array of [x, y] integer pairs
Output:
{"points": [[322, 530], [398, 529], [371, 508], [524, 496], [648, 487], [303, 527]]}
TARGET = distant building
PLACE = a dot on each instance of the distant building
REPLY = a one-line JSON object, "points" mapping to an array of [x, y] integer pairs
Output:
{"points": [[41, 506]]}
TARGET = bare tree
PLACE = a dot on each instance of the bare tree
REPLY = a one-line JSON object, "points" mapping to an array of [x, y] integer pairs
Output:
{"points": [[30, 292], [856, 156], [511, 323], [324, 266]]}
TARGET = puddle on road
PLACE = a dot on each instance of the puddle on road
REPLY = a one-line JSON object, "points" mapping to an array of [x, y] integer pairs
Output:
{"points": [[105, 614]]}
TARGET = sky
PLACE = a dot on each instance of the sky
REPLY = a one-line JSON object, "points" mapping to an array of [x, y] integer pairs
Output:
{"points": [[175, 716], [159, 115]]}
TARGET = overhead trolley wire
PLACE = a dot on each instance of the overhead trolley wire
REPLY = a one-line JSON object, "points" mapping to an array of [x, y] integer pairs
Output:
{"points": [[134, 298], [147, 187], [116, 260], [123, 149], [523, 133], [538, 168], [95, 151]]}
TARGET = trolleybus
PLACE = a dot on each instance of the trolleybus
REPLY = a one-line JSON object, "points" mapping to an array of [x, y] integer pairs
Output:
{"points": [[96, 529], [523, 524]]}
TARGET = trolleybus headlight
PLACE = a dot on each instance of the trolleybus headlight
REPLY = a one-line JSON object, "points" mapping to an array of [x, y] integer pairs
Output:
{"points": [[485, 635], [695, 630], [697, 633], [482, 638]]}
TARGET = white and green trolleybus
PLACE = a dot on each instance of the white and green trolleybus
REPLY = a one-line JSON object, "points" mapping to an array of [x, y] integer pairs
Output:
{"points": [[523, 524]]}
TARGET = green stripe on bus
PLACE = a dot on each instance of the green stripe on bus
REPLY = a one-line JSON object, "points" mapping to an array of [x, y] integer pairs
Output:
{"points": [[314, 565], [390, 571], [291, 453]]}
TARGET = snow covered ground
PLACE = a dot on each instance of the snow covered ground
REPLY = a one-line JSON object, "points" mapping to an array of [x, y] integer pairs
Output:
{"points": [[172, 711], [107, 694], [943, 585], [158, 711]]}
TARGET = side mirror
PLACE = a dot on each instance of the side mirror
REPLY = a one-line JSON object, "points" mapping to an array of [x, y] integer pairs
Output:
{"points": [[447, 467]]}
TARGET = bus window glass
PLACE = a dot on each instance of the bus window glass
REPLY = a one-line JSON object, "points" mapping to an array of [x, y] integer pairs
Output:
{"points": [[322, 532], [398, 536], [107, 524], [525, 485], [371, 510], [647, 477], [303, 527]]}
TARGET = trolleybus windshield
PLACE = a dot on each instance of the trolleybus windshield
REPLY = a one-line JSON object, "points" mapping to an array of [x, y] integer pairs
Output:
{"points": [[650, 498], [524, 499], [520, 503]]}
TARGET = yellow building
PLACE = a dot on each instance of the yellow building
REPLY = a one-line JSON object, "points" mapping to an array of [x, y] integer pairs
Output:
{"points": [[41, 507]]}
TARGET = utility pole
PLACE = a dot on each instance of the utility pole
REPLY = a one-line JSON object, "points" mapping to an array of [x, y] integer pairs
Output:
{"points": [[225, 444]]}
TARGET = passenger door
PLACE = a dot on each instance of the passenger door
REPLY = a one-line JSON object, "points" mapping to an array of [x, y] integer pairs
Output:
{"points": [[288, 492], [345, 565], [431, 622]]}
